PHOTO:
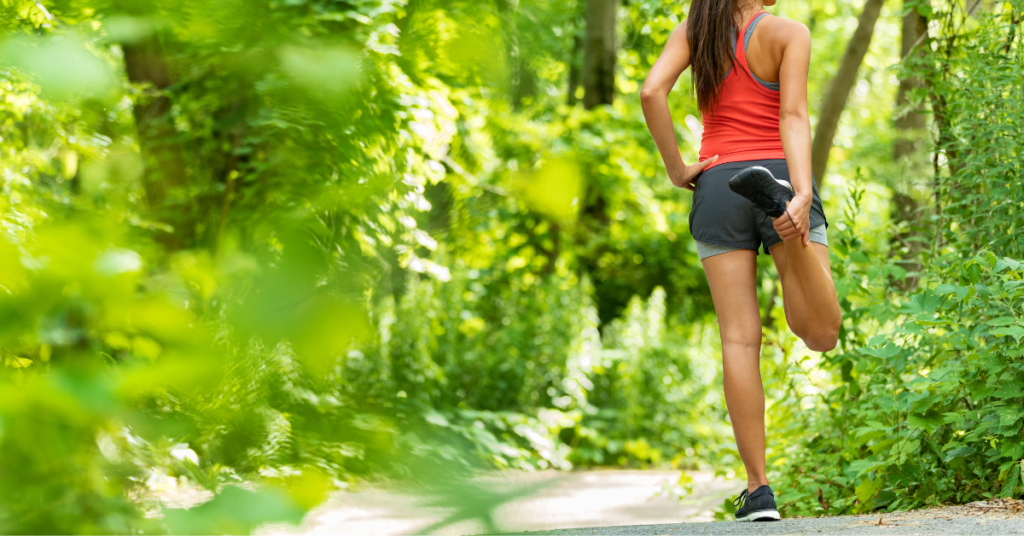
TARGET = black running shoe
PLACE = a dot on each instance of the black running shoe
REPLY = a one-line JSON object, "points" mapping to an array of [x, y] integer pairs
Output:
{"points": [[758, 185], [757, 506]]}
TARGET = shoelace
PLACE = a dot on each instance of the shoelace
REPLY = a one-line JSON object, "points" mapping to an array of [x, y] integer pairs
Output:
{"points": [[790, 218], [739, 500]]}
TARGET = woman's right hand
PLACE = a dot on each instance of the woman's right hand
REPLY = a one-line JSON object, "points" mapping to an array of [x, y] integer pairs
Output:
{"points": [[686, 178]]}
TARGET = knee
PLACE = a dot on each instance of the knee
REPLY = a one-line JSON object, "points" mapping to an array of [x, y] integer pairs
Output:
{"points": [[822, 339], [820, 336]]}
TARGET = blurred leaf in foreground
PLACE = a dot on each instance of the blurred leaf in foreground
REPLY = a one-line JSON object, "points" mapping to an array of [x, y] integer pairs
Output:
{"points": [[62, 66], [325, 72], [235, 511], [553, 190]]}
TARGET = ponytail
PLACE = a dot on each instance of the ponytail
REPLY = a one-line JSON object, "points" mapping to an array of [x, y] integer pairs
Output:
{"points": [[710, 31]]}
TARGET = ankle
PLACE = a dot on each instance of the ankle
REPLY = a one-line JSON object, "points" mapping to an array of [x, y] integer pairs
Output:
{"points": [[753, 485]]}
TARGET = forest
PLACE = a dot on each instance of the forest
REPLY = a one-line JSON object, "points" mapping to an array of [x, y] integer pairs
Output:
{"points": [[278, 248]]}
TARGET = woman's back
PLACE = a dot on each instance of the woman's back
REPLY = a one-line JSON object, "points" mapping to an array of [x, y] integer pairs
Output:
{"points": [[744, 121], [764, 51], [778, 52]]}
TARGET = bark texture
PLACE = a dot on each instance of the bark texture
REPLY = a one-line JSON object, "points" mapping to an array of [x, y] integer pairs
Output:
{"points": [[164, 165], [599, 53], [839, 89], [909, 122]]}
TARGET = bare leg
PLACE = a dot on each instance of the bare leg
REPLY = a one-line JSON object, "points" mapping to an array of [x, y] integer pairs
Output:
{"points": [[733, 280], [809, 295]]}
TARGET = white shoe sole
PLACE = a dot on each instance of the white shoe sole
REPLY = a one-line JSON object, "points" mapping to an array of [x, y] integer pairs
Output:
{"points": [[782, 182], [762, 515]]}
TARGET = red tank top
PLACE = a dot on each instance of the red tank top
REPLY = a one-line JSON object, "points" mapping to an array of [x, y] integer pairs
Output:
{"points": [[745, 123]]}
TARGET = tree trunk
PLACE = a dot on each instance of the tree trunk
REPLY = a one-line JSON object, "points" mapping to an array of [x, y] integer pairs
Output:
{"points": [[599, 53], [599, 49], [910, 123], [164, 165], [839, 89]]}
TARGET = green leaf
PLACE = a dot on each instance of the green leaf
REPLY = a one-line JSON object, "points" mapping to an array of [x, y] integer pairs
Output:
{"points": [[906, 449], [1003, 321], [929, 421], [959, 453], [915, 327], [858, 468], [435, 418], [1009, 415], [885, 352], [235, 511], [1005, 263], [866, 489], [945, 289], [877, 339], [63, 67], [866, 433], [1010, 389], [1012, 482], [726, 508], [1013, 450], [952, 417], [1016, 332]]}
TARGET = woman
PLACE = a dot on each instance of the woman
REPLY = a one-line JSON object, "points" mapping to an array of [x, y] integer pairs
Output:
{"points": [[752, 186]]}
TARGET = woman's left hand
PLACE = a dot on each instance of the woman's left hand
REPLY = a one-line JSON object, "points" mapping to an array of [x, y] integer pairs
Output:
{"points": [[798, 222]]}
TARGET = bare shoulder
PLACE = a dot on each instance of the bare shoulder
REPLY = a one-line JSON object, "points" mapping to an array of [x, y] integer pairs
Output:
{"points": [[679, 34], [678, 43], [785, 32]]}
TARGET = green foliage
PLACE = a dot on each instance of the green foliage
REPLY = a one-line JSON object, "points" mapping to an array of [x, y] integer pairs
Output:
{"points": [[654, 394]]}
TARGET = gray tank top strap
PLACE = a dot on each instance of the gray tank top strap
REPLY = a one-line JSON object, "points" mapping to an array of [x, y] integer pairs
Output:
{"points": [[774, 86]]}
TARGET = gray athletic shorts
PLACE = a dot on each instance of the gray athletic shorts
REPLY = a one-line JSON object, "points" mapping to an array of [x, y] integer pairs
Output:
{"points": [[722, 220]]}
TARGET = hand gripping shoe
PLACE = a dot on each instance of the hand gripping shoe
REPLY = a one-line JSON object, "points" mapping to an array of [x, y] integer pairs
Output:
{"points": [[757, 506], [761, 188]]}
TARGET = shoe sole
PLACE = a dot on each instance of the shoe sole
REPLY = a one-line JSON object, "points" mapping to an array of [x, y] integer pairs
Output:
{"points": [[785, 184], [762, 515], [755, 192]]}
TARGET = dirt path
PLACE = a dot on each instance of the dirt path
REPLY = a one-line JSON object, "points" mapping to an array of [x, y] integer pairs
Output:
{"points": [[563, 500], [620, 503]]}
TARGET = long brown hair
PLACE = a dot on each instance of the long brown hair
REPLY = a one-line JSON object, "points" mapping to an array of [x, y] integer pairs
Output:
{"points": [[709, 29]]}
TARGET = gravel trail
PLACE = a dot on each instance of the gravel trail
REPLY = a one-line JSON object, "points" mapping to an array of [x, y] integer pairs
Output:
{"points": [[982, 518], [551, 500], [617, 502]]}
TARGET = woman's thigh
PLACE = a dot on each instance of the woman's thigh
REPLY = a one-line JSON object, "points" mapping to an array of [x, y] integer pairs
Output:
{"points": [[732, 277], [778, 252]]}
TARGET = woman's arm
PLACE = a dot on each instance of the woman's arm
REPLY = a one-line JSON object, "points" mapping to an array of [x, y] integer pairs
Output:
{"points": [[795, 127], [654, 98]]}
